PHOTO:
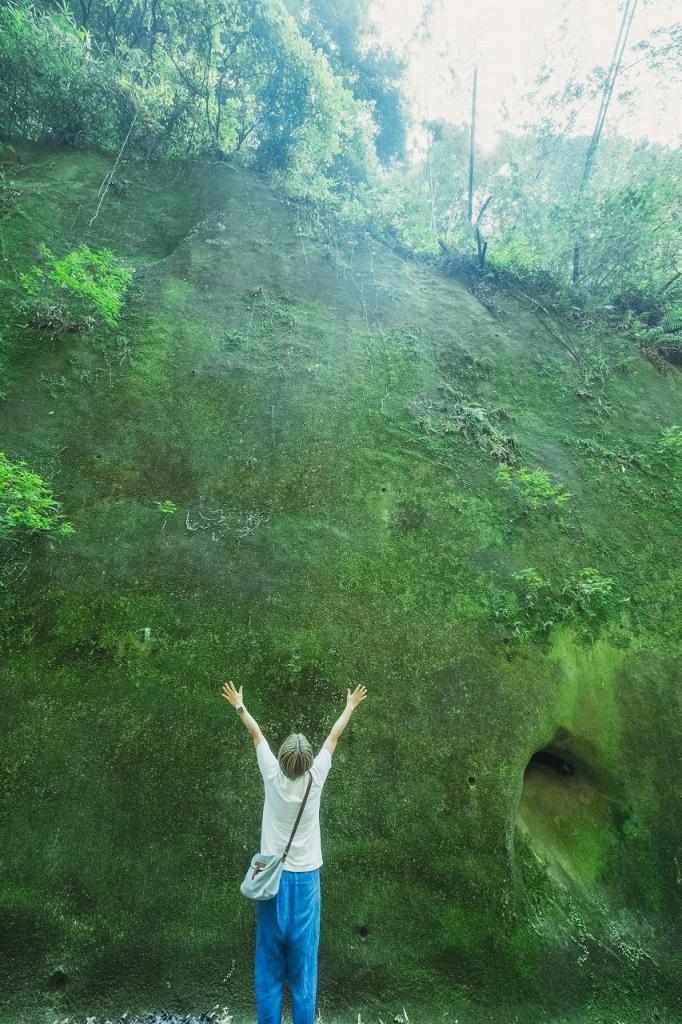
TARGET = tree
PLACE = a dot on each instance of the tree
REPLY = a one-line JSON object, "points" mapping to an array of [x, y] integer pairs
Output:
{"points": [[607, 93], [344, 31], [472, 143], [193, 77]]}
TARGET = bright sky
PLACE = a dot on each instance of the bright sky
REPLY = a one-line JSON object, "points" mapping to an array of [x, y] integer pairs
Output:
{"points": [[510, 40]]}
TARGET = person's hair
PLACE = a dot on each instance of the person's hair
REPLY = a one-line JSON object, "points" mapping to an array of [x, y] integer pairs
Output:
{"points": [[295, 755]]}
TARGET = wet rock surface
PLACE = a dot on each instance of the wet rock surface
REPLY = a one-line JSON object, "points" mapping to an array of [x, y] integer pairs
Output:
{"points": [[299, 466]]}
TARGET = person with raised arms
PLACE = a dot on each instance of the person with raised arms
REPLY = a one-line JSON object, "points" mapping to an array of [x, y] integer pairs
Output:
{"points": [[288, 925]]}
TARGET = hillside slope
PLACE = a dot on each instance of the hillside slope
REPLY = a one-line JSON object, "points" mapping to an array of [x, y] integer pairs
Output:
{"points": [[352, 444]]}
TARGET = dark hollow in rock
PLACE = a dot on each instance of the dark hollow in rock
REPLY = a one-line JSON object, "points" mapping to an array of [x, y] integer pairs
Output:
{"points": [[568, 808], [554, 761], [58, 980]]}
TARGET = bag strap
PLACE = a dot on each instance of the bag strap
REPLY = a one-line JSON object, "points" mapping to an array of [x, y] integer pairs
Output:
{"points": [[298, 818]]}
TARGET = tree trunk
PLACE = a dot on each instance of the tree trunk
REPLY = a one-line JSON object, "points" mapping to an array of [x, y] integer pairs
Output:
{"points": [[671, 280], [428, 156], [481, 245], [614, 68], [472, 139]]}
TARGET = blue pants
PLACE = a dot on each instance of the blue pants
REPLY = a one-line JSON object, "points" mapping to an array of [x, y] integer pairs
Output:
{"points": [[287, 939]]}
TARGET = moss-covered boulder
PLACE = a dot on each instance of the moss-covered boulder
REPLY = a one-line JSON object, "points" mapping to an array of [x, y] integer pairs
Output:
{"points": [[299, 461]]}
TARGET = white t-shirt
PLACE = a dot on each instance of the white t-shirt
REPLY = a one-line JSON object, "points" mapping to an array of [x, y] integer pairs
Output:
{"points": [[283, 798]]}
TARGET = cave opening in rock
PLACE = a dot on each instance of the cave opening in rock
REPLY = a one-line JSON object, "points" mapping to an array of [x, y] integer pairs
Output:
{"points": [[58, 980], [566, 807], [556, 761]]}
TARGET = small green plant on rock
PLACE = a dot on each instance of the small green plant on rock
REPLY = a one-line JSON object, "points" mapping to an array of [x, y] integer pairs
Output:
{"points": [[73, 292], [534, 486], [661, 343], [670, 442], [589, 595], [27, 504], [451, 414], [538, 604], [593, 376], [166, 508]]}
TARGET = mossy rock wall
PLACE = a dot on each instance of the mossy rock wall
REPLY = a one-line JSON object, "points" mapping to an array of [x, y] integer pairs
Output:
{"points": [[502, 818]]}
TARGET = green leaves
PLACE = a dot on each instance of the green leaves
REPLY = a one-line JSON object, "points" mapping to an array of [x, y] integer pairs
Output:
{"points": [[80, 284], [534, 486], [671, 440], [584, 600], [166, 507], [210, 77], [589, 593], [27, 504]]}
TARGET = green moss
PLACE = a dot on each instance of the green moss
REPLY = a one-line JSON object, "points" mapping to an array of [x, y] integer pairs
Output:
{"points": [[324, 535]]}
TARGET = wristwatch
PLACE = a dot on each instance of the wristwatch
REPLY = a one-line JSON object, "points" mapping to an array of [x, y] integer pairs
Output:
{"points": [[239, 709]]}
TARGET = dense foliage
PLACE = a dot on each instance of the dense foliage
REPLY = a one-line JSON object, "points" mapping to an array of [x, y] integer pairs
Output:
{"points": [[526, 190], [78, 288], [306, 92], [348, 37], [214, 77], [27, 504]]}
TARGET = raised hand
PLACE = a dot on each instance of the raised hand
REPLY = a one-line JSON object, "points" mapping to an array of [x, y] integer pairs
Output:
{"points": [[356, 697], [234, 695]]}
